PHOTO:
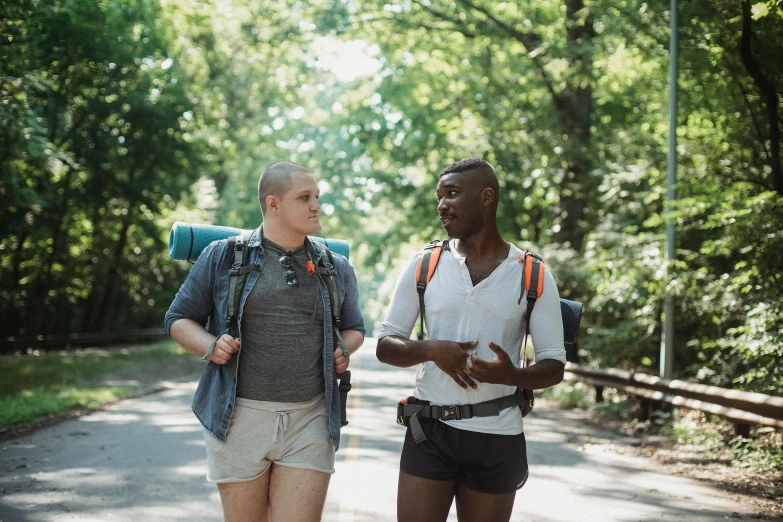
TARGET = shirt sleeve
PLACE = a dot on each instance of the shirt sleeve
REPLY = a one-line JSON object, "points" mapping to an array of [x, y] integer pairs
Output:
{"points": [[404, 307], [350, 311], [194, 298], [546, 323]]}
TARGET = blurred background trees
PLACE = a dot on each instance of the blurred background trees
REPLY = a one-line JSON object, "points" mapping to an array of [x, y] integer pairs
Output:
{"points": [[117, 119]]}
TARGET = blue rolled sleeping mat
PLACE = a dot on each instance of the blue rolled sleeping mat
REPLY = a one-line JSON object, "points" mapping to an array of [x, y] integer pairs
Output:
{"points": [[188, 240]]}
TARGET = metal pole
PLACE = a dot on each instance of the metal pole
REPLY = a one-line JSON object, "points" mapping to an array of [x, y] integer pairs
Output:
{"points": [[667, 341]]}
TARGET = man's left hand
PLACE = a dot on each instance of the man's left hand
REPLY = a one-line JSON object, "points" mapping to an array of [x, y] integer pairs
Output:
{"points": [[340, 361], [501, 370]]}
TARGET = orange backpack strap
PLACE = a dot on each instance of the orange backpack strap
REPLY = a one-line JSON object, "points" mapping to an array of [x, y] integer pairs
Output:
{"points": [[534, 276], [425, 269], [533, 284]]}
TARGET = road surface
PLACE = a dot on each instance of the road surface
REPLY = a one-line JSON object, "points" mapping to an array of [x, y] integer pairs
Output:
{"points": [[143, 459]]}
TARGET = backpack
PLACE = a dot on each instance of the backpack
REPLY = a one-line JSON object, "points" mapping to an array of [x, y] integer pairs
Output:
{"points": [[532, 283], [239, 256]]}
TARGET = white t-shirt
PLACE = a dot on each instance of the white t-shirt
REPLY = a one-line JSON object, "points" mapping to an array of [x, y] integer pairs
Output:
{"points": [[455, 310]]}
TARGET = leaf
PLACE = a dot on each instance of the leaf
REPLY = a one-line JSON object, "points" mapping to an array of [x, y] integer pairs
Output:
{"points": [[759, 10]]}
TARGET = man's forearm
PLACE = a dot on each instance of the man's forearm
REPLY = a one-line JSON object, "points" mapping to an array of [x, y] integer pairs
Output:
{"points": [[539, 375], [403, 353], [353, 339], [191, 336]]}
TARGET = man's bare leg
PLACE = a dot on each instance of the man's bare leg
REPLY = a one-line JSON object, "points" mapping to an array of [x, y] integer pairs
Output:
{"points": [[473, 506], [245, 501], [297, 495], [424, 500]]}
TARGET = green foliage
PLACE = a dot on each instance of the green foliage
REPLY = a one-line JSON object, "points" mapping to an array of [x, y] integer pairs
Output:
{"points": [[622, 408], [34, 405], [118, 119], [762, 9], [763, 453], [685, 430], [571, 395], [104, 153], [37, 385]]}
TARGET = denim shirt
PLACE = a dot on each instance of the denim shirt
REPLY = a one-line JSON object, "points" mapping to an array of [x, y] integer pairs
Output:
{"points": [[203, 297]]}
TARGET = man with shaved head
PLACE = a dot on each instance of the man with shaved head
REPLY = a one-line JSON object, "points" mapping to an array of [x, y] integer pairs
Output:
{"points": [[268, 397], [462, 449]]}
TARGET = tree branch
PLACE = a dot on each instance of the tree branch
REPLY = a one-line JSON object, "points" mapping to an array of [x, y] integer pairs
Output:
{"points": [[457, 25], [529, 41], [756, 126]]}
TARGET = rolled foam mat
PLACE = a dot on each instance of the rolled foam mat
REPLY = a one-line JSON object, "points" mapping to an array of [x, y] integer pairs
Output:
{"points": [[188, 240]]}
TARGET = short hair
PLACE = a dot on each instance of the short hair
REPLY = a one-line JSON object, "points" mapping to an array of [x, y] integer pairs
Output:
{"points": [[275, 179], [467, 165]]}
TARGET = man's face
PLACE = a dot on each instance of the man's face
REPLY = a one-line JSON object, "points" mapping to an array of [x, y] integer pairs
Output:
{"points": [[458, 205], [299, 207]]}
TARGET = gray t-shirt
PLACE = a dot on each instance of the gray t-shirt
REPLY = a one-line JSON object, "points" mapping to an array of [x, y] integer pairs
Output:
{"points": [[281, 358]]}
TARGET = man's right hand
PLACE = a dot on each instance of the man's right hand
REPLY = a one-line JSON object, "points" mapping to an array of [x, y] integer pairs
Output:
{"points": [[225, 347], [452, 358]]}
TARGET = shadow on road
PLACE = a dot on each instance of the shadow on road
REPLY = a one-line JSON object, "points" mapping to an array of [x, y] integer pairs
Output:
{"points": [[143, 459]]}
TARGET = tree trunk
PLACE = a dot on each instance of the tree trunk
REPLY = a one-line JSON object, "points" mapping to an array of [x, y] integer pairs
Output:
{"points": [[42, 290], [113, 275], [88, 309], [114, 271], [12, 324], [769, 95], [575, 107]]}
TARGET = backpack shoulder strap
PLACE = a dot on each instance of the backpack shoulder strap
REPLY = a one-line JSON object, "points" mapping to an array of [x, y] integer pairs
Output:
{"points": [[239, 257], [533, 284], [328, 274], [425, 270], [533, 276]]}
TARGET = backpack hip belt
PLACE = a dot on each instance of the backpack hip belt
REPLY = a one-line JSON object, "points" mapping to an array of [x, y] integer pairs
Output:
{"points": [[410, 410]]}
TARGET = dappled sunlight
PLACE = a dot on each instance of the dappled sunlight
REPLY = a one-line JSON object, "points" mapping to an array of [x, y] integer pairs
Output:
{"points": [[123, 382], [22, 445], [78, 477], [118, 119], [199, 470], [648, 495], [112, 418], [123, 466], [182, 421], [144, 459], [184, 428]]}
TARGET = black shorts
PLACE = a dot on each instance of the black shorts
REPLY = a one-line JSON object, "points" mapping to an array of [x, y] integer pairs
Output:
{"points": [[484, 462]]}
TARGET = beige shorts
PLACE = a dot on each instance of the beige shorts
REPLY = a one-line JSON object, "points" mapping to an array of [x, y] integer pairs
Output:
{"points": [[294, 434]]}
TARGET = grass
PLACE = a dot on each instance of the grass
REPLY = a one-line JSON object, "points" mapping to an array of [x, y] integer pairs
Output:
{"points": [[31, 405], [38, 384]]}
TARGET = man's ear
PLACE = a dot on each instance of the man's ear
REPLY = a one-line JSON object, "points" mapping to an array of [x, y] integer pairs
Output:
{"points": [[273, 205], [487, 196]]}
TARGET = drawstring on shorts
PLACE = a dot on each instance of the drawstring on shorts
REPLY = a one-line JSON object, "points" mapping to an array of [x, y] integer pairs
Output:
{"points": [[281, 424]]}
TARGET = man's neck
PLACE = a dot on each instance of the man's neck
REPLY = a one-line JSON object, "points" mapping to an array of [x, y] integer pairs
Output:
{"points": [[285, 238], [485, 244]]}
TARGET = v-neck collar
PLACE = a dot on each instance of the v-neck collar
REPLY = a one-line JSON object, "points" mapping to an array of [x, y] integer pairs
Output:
{"points": [[463, 267]]}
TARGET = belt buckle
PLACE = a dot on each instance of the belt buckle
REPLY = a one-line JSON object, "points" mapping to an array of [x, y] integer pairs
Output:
{"points": [[451, 413]]}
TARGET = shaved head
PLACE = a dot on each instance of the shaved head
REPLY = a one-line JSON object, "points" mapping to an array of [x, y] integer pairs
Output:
{"points": [[479, 172], [276, 180]]}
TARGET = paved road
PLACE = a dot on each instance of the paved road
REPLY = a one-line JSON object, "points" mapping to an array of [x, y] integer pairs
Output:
{"points": [[143, 459]]}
